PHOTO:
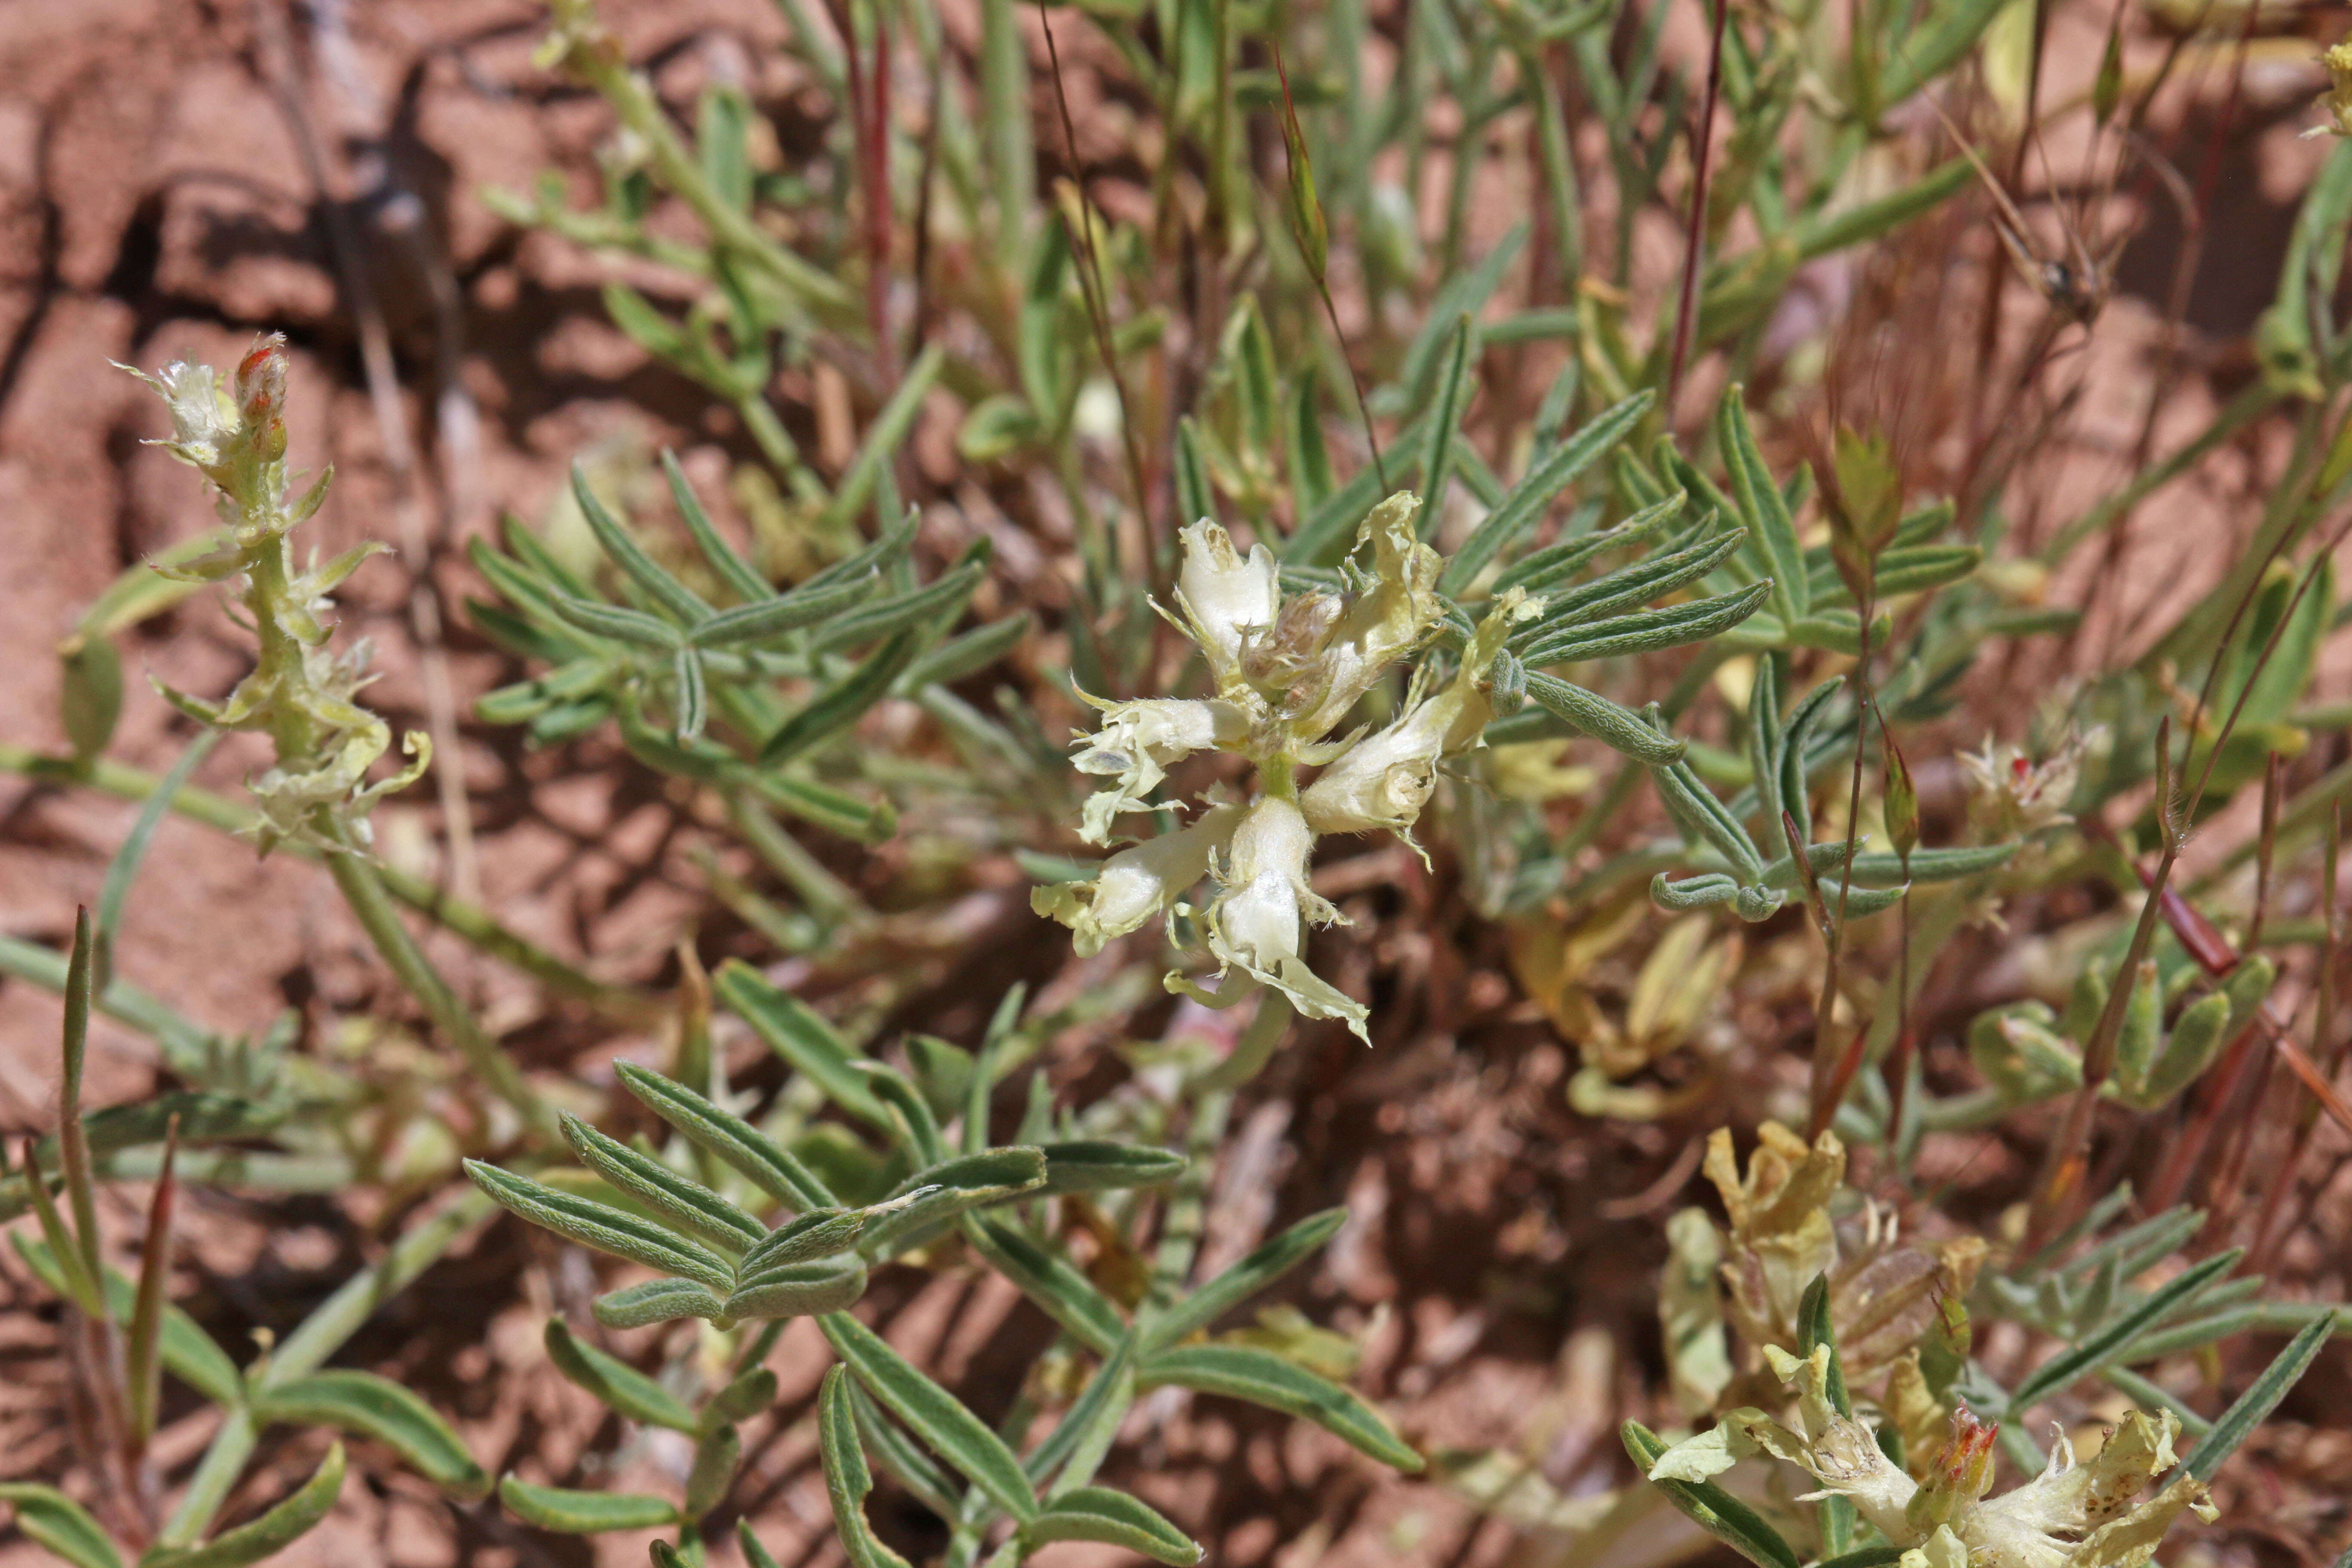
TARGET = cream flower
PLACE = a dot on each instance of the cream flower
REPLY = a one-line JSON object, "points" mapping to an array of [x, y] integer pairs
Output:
{"points": [[1287, 673], [1226, 598], [1137, 884], [2070, 1516], [1388, 620], [1136, 744], [2338, 99], [1385, 781], [1258, 925]]}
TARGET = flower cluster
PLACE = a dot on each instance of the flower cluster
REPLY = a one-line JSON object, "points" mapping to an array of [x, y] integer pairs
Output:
{"points": [[2010, 794], [1883, 1290], [2085, 1515], [1287, 672], [301, 693], [2338, 100]]}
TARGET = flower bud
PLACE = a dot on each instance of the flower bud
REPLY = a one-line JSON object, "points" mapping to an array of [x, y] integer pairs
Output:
{"points": [[1138, 884]]}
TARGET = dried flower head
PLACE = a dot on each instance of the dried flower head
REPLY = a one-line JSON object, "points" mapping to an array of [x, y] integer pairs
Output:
{"points": [[1785, 1233], [2073, 1515], [1286, 674]]}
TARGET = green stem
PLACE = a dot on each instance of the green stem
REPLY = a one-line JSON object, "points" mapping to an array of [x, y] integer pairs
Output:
{"points": [[356, 877], [476, 925], [328, 1327]]}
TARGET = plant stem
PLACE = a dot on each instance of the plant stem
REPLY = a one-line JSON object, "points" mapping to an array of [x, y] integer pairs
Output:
{"points": [[355, 877]]}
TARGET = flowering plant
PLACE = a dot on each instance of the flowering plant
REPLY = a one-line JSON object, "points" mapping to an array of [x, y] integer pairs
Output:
{"points": [[1287, 672]]}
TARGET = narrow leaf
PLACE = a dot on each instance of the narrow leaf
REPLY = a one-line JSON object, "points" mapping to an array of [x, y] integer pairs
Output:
{"points": [[1114, 1519], [657, 1301], [1711, 1508], [1243, 1279], [570, 1511], [607, 1229], [756, 1157], [616, 1384], [686, 1204], [1099, 1167], [667, 591], [934, 1415], [274, 1532], [846, 1479], [371, 1406], [2250, 1408], [1261, 1377], [795, 1032], [47, 1517], [1761, 506]]}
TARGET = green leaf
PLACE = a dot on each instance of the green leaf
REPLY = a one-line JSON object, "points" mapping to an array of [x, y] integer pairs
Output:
{"points": [[764, 620], [1100, 1167], [1647, 631], [756, 1157], [271, 1533], [1525, 506], [47, 1517], [846, 1479], [686, 1204], [1445, 423], [1261, 1377], [1079, 1440], [1761, 506], [2115, 1336], [89, 696], [717, 1457], [1063, 1293], [619, 1386], [1540, 569], [949, 1188], [190, 1353], [799, 1290], [916, 1128], [1711, 1508], [1311, 459], [1929, 566], [1637, 584], [972, 652], [744, 1398], [1243, 1279], [944, 597], [667, 591], [794, 1032], [371, 1406], [570, 1511], [1592, 714], [732, 568], [607, 1229], [820, 1233], [1114, 1519], [657, 1301], [613, 621], [934, 1416], [2250, 1408], [841, 702]]}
